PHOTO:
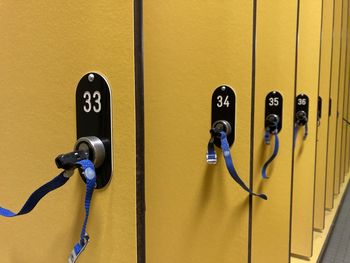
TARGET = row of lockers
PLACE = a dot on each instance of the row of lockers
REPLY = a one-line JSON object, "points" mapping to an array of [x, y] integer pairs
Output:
{"points": [[163, 61]]}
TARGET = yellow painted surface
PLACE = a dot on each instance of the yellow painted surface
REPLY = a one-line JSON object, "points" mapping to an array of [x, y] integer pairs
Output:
{"points": [[275, 70], [46, 47], [321, 154], [305, 152], [347, 109], [320, 237], [334, 97], [343, 152], [337, 169], [195, 212], [345, 76]]}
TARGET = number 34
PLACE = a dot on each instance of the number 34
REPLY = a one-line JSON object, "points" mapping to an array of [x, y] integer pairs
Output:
{"points": [[97, 101], [223, 102]]}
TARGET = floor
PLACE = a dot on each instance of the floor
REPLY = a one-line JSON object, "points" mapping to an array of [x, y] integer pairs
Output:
{"points": [[338, 248]]}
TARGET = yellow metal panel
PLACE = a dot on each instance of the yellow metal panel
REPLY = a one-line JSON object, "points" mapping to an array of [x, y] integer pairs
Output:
{"points": [[334, 97], [343, 85], [321, 154], [304, 152], [275, 70], [195, 212], [347, 109], [46, 47], [339, 123]]}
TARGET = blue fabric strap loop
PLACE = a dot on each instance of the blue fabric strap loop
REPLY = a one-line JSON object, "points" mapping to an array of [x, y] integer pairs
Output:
{"points": [[306, 131], [295, 135], [272, 128], [273, 156], [211, 154], [37, 195], [89, 172], [225, 147], [296, 128], [267, 136]]}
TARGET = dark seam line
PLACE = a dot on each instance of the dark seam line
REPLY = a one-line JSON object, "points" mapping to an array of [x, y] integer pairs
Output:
{"points": [[140, 140], [252, 114], [295, 90]]}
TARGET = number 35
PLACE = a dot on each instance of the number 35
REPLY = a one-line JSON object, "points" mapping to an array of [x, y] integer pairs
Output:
{"points": [[274, 102], [97, 101]]}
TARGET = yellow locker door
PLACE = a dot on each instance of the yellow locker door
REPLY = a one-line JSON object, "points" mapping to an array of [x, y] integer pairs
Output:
{"points": [[322, 130], [337, 18], [275, 71], [343, 85], [305, 148], [46, 47], [347, 109], [339, 122], [195, 212]]}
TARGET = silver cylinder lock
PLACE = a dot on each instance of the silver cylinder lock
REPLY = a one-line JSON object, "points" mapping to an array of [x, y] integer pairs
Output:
{"points": [[94, 146], [301, 118], [272, 120], [223, 125]]}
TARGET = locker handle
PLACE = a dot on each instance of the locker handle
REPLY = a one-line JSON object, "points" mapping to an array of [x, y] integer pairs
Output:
{"points": [[219, 132]]}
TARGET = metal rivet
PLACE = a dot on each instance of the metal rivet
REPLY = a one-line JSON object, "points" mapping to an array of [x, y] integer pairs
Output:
{"points": [[91, 77], [223, 88]]}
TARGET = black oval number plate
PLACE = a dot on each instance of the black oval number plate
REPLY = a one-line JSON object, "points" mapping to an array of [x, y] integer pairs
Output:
{"points": [[319, 109], [274, 105], [93, 113], [223, 107], [302, 104]]}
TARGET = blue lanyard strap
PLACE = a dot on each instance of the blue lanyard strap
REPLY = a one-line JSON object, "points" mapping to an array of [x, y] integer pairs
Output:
{"points": [[306, 131], [267, 135], [225, 147], [274, 154], [211, 154], [37, 195], [295, 135], [296, 128], [89, 172]]}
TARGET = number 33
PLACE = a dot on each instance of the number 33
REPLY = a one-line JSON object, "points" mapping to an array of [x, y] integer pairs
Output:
{"points": [[97, 99]]}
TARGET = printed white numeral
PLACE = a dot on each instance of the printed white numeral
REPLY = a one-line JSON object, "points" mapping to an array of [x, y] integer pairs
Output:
{"points": [[87, 97], [222, 102], [97, 97], [274, 102], [226, 102], [301, 101]]}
